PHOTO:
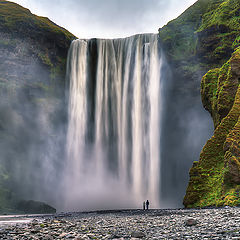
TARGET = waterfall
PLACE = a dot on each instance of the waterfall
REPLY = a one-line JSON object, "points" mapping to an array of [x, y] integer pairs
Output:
{"points": [[113, 140]]}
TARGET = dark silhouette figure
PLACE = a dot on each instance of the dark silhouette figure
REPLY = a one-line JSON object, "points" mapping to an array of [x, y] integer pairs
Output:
{"points": [[144, 206], [147, 204]]}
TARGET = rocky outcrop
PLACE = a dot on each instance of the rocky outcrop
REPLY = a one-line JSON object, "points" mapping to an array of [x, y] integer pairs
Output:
{"points": [[34, 207], [215, 179], [202, 38], [33, 49]]}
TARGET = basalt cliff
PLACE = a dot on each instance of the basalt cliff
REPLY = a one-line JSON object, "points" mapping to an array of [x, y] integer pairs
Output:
{"points": [[206, 37], [33, 54]]}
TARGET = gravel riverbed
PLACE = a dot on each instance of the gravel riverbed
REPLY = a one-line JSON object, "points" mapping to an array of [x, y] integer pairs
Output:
{"points": [[221, 223]]}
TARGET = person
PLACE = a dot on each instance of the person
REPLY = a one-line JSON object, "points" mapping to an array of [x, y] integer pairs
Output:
{"points": [[147, 204], [144, 205]]}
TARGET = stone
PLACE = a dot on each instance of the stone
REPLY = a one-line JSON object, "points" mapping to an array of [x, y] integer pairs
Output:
{"points": [[62, 235], [191, 222], [31, 206], [138, 235]]}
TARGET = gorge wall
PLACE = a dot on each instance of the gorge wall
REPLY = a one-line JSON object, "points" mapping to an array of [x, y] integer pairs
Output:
{"points": [[214, 180], [33, 54], [202, 38]]}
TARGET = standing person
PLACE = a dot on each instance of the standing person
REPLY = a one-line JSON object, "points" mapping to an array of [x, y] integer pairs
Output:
{"points": [[147, 204], [144, 205]]}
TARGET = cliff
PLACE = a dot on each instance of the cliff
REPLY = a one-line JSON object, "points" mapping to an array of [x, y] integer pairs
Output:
{"points": [[215, 179], [206, 36], [203, 37], [29, 45], [33, 54]]}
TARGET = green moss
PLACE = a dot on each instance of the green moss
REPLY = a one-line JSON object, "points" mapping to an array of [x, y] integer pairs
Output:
{"points": [[209, 90], [215, 178], [178, 36], [222, 23], [13, 16], [45, 59], [222, 13], [236, 43], [203, 37], [213, 187]]}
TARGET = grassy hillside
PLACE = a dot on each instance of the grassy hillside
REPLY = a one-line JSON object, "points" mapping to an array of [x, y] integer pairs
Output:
{"points": [[33, 54], [18, 19]]}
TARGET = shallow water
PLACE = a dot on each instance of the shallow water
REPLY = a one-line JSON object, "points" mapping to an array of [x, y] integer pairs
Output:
{"points": [[6, 220]]}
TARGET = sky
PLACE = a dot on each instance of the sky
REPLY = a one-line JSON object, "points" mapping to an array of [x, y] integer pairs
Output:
{"points": [[108, 18]]}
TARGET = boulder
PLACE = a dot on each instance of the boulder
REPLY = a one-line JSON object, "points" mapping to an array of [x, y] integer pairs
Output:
{"points": [[31, 206]]}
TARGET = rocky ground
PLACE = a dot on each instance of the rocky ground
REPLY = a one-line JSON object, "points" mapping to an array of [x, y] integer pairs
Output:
{"points": [[130, 224]]}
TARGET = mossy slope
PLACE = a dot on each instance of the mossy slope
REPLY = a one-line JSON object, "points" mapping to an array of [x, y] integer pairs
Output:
{"points": [[215, 179], [33, 54], [203, 37], [33, 39]]}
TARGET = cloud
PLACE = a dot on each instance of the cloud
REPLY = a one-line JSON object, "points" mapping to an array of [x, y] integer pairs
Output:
{"points": [[108, 18]]}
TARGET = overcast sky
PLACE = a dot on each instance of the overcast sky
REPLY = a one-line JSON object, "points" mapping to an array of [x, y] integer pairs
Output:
{"points": [[108, 18]]}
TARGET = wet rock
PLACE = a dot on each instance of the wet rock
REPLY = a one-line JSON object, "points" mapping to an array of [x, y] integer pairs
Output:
{"points": [[34, 207], [191, 222], [35, 230], [138, 235], [62, 235]]}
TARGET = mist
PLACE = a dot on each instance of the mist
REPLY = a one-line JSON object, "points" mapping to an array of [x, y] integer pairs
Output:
{"points": [[108, 18]]}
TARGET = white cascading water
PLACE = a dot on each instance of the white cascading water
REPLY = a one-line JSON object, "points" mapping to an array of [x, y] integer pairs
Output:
{"points": [[113, 140]]}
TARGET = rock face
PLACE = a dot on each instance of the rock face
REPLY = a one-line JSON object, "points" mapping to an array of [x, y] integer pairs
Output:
{"points": [[202, 38], [33, 53], [205, 37], [215, 179]]}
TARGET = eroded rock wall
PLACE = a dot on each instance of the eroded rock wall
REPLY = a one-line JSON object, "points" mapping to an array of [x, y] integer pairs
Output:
{"points": [[215, 179]]}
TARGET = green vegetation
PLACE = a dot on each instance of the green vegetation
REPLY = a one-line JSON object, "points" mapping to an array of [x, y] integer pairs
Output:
{"points": [[215, 179], [222, 13], [15, 17], [178, 36], [34, 52], [45, 59], [222, 21], [44, 37], [209, 92], [205, 37]]}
